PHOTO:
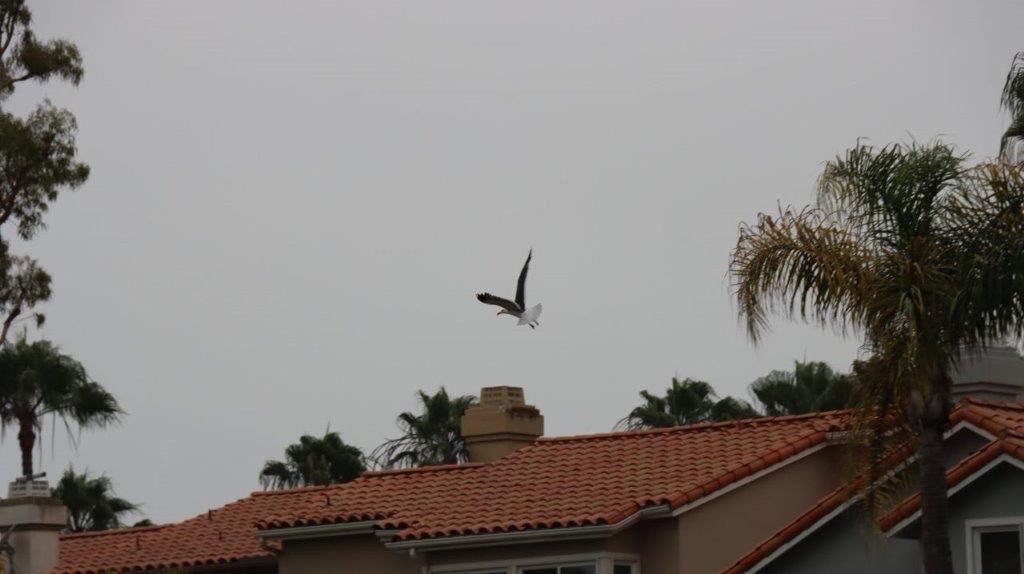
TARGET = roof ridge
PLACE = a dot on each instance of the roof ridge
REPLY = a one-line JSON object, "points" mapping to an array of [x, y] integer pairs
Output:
{"points": [[114, 531], [755, 421], [282, 491], [993, 404], [421, 469]]}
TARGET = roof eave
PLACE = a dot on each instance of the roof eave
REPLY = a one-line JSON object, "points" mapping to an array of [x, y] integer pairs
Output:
{"points": [[319, 530], [530, 536]]}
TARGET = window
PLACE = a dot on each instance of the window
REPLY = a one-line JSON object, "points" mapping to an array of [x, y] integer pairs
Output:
{"points": [[994, 547], [573, 569], [622, 568]]}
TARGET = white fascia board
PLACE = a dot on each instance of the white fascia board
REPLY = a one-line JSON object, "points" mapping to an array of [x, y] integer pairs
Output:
{"points": [[319, 530], [1003, 458], [530, 536]]}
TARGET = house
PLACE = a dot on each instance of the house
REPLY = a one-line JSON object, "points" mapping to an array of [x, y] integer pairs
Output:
{"points": [[663, 500], [986, 511], [760, 495]]}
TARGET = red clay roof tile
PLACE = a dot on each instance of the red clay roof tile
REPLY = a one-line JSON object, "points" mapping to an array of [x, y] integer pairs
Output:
{"points": [[590, 479], [224, 535], [553, 483]]}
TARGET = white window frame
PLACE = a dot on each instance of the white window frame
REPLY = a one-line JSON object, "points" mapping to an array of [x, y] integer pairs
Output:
{"points": [[973, 529], [559, 565], [605, 562]]}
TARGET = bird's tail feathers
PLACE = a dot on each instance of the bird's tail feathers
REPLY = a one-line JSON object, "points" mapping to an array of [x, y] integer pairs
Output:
{"points": [[530, 315]]}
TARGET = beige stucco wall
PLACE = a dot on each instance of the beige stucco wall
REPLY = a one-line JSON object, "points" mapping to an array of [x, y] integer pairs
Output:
{"points": [[714, 535], [659, 546], [343, 555]]}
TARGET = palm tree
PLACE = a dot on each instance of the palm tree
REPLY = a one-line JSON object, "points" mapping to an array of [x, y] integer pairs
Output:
{"points": [[1013, 102], [686, 402], [37, 380], [314, 461], [810, 387], [432, 437], [916, 255], [91, 502]]}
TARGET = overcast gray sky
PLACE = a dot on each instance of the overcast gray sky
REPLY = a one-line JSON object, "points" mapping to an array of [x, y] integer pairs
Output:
{"points": [[292, 204]]}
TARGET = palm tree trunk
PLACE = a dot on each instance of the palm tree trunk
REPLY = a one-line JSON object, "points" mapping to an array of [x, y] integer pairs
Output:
{"points": [[934, 504], [27, 442]]}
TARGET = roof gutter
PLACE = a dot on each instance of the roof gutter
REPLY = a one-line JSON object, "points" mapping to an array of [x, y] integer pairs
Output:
{"points": [[319, 530], [531, 536]]}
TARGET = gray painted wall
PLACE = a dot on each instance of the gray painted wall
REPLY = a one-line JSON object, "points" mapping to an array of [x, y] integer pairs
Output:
{"points": [[961, 445], [997, 494], [847, 546]]}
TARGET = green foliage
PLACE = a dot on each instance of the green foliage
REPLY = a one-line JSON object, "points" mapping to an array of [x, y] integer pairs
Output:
{"points": [[918, 255], [37, 380], [687, 401], [432, 437], [23, 57], [810, 387], [37, 160], [314, 461], [23, 284], [91, 502], [1013, 101], [37, 156]]}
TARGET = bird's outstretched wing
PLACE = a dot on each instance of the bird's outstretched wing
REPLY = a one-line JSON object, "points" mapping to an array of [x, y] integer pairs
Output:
{"points": [[505, 304], [521, 286]]}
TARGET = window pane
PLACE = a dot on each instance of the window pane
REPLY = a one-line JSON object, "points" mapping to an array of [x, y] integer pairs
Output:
{"points": [[1000, 552], [623, 569], [546, 570], [577, 570]]}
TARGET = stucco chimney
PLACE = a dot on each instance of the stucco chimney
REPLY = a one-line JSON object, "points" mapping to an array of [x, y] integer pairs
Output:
{"points": [[33, 518], [500, 424]]}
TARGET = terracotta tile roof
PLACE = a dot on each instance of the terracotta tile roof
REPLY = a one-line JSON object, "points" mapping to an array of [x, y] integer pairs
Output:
{"points": [[555, 482], [559, 482], [990, 416], [219, 536], [1011, 444], [996, 418]]}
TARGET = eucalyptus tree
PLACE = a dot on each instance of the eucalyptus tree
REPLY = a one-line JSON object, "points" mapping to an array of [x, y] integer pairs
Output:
{"points": [[37, 156], [686, 401], [810, 387], [917, 255], [38, 380], [432, 436], [24, 57], [91, 502], [314, 461]]}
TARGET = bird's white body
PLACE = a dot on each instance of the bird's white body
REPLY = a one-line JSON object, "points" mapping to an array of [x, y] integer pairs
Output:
{"points": [[530, 315]]}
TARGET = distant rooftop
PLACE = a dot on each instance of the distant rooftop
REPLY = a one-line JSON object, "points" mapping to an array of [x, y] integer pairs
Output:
{"points": [[995, 373]]}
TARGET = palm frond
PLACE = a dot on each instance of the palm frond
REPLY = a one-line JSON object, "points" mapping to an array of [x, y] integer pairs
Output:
{"points": [[797, 265], [1012, 100], [430, 437]]}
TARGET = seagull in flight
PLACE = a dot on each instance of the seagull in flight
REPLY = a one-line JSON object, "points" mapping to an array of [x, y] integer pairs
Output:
{"points": [[516, 308]]}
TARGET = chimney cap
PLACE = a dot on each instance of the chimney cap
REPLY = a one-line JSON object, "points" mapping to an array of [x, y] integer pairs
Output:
{"points": [[504, 396]]}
